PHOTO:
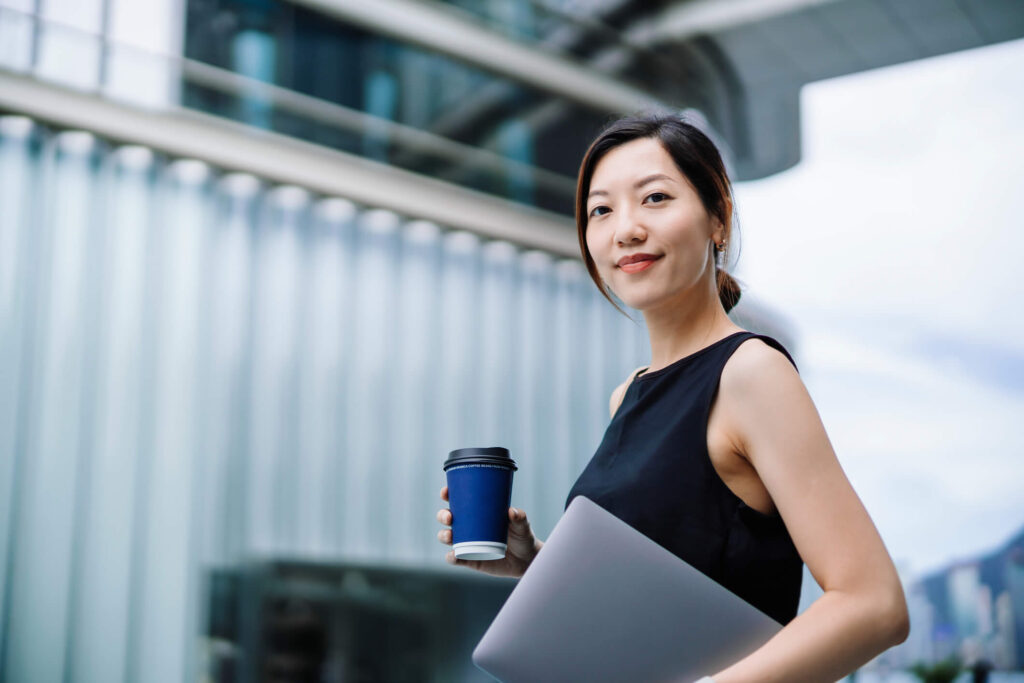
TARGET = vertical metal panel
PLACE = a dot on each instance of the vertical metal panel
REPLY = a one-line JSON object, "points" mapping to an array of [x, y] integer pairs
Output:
{"points": [[620, 330], [459, 356], [101, 601], [226, 368], [499, 278], [220, 477], [368, 393], [594, 383], [216, 371], [17, 181], [415, 461], [169, 504], [326, 322], [533, 417], [567, 371], [44, 531], [277, 270]]}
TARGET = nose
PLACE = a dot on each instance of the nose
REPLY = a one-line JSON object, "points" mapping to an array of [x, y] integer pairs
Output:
{"points": [[628, 229]]}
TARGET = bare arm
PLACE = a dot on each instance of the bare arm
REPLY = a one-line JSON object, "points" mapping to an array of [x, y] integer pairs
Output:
{"points": [[774, 424]]}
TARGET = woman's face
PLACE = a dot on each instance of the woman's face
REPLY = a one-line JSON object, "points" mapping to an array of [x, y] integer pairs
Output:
{"points": [[641, 205]]}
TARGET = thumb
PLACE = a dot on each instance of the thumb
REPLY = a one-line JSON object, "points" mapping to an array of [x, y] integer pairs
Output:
{"points": [[517, 516]]}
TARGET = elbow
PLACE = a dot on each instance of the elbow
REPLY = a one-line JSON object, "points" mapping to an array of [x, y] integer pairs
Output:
{"points": [[901, 625], [895, 617]]}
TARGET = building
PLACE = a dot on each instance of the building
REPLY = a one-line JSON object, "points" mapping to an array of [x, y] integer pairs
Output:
{"points": [[263, 263], [971, 610]]}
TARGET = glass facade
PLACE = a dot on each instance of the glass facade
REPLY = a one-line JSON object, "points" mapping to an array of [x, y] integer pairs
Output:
{"points": [[497, 147], [202, 371], [225, 402], [283, 67]]}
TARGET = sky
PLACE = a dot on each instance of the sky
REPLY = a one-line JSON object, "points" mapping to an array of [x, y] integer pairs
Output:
{"points": [[894, 250]]}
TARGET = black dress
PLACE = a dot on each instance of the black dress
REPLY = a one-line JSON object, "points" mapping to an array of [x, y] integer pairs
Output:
{"points": [[652, 470]]}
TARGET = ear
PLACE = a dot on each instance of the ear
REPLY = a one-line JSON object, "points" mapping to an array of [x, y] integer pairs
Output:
{"points": [[718, 232], [721, 232]]}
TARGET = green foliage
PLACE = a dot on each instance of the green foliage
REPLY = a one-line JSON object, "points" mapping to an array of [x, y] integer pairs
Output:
{"points": [[940, 672]]}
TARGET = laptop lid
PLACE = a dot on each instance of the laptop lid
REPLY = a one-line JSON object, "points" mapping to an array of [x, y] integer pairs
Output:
{"points": [[602, 602]]}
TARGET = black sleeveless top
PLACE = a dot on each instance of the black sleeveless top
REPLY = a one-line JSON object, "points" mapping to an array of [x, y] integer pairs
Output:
{"points": [[652, 470]]}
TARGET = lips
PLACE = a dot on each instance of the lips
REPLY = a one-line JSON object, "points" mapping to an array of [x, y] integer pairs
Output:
{"points": [[634, 263]]}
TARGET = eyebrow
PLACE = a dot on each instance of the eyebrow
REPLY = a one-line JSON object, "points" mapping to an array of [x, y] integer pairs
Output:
{"points": [[638, 184]]}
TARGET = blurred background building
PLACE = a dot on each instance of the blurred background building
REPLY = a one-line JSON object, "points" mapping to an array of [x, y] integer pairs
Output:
{"points": [[971, 611], [264, 263]]}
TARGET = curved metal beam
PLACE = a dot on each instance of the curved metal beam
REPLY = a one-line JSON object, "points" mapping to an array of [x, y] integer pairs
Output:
{"points": [[435, 27]]}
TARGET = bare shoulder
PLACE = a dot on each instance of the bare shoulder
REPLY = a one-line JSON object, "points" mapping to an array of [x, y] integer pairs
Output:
{"points": [[619, 392], [758, 367], [764, 401]]}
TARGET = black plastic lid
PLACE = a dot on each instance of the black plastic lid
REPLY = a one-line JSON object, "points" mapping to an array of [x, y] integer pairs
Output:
{"points": [[492, 455]]}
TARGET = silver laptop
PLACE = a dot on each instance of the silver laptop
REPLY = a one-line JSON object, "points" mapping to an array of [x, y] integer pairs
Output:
{"points": [[602, 602]]}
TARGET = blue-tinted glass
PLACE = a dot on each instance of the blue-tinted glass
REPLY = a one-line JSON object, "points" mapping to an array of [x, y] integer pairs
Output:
{"points": [[310, 54]]}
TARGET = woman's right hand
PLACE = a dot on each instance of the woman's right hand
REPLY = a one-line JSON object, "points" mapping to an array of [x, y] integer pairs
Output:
{"points": [[523, 546]]}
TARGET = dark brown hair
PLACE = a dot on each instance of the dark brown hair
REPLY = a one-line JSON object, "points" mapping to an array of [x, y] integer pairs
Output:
{"points": [[697, 159]]}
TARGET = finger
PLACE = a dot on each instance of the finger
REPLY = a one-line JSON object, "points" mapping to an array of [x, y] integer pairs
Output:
{"points": [[516, 515], [444, 493], [444, 516], [445, 536], [451, 559]]}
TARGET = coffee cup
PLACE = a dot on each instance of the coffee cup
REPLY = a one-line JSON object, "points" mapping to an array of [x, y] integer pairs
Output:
{"points": [[479, 494]]}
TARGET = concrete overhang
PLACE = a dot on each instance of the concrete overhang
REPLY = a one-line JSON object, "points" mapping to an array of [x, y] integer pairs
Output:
{"points": [[748, 58], [758, 54]]}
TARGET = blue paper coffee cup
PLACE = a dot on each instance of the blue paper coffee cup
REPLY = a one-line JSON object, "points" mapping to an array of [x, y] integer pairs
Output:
{"points": [[479, 493]]}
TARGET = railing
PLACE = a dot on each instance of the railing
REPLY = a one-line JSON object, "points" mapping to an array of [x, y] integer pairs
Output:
{"points": [[92, 62]]}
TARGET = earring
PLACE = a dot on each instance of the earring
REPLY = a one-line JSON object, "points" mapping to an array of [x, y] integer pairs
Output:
{"points": [[720, 256]]}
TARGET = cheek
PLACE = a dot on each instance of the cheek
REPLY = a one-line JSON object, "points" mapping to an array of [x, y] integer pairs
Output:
{"points": [[593, 247]]}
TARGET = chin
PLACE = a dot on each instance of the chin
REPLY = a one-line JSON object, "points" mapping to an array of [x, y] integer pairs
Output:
{"points": [[638, 303], [643, 306]]}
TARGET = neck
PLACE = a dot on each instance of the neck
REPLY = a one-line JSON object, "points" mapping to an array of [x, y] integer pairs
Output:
{"points": [[682, 327]]}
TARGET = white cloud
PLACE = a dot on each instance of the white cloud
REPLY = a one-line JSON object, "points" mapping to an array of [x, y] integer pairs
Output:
{"points": [[934, 454], [908, 198], [899, 227]]}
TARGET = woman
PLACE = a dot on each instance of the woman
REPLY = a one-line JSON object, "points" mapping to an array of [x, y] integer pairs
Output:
{"points": [[715, 450]]}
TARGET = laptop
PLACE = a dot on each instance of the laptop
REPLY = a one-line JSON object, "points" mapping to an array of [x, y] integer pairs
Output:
{"points": [[602, 602]]}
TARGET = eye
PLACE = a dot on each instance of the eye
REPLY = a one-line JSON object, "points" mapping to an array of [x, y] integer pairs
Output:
{"points": [[657, 197], [593, 211]]}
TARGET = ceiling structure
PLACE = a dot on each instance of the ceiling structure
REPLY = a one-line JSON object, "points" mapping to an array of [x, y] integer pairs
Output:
{"points": [[740, 62], [762, 62]]}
